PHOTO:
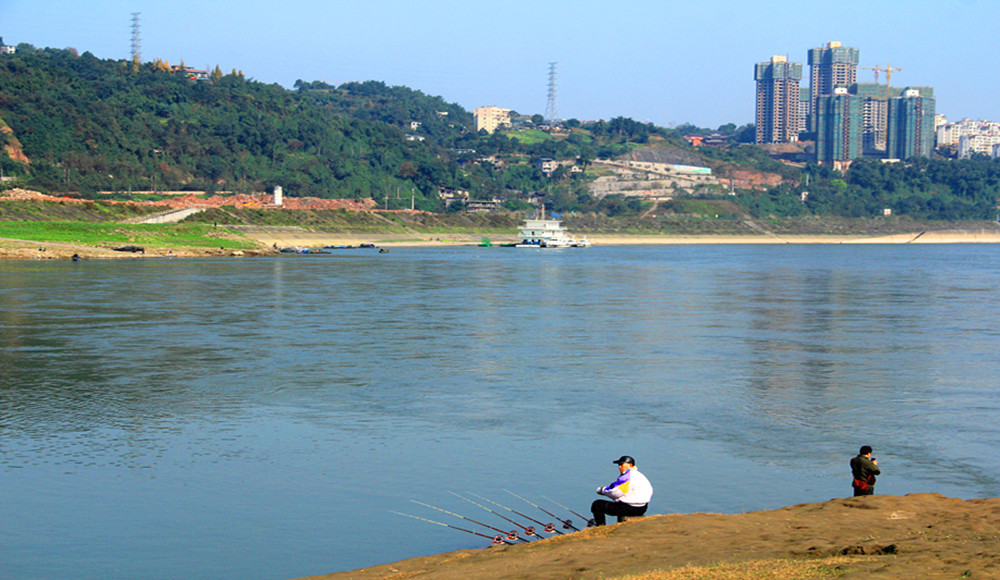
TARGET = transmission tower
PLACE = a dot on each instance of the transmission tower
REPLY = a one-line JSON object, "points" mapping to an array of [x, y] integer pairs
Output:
{"points": [[552, 107], [136, 40]]}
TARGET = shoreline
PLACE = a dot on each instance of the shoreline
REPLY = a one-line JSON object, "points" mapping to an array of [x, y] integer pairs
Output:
{"points": [[921, 535], [291, 236], [268, 237]]}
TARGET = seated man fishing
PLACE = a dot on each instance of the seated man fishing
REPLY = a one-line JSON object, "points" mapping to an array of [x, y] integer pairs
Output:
{"points": [[631, 493]]}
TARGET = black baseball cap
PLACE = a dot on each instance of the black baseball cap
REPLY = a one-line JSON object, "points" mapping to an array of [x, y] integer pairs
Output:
{"points": [[624, 459]]}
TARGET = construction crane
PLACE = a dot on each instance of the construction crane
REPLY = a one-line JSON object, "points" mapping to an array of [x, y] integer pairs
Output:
{"points": [[888, 75]]}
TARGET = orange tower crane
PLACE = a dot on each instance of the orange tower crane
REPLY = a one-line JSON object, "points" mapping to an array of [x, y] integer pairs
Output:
{"points": [[888, 75]]}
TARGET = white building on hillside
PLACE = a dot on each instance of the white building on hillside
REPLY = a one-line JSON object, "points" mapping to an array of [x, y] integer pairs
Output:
{"points": [[490, 118], [969, 136]]}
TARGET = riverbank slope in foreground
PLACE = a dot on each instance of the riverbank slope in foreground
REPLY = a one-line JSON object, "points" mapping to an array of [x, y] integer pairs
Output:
{"points": [[915, 536]]}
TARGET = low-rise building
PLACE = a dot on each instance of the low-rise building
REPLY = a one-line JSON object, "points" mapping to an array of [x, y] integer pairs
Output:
{"points": [[490, 118], [969, 136], [713, 140], [547, 165], [482, 205], [191, 73], [451, 195]]}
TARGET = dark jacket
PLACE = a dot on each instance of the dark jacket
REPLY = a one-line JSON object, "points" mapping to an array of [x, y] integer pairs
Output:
{"points": [[864, 469]]}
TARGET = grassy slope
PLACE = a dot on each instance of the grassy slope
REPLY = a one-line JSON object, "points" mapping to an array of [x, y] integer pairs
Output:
{"points": [[703, 223], [168, 236]]}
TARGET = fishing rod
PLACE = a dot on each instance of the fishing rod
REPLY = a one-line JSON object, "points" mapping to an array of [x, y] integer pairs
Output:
{"points": [[547, 527], [512, 535], [589, 521], [497, 539], [528, 531], [567, 524]]}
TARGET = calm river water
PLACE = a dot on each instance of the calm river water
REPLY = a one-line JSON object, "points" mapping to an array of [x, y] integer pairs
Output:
{"points": [[264, 418]]}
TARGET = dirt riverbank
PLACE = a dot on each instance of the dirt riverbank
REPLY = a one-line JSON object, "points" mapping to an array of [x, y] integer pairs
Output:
{"points": [[11, 249], [916, 536], [294, 236], [268, 237]]}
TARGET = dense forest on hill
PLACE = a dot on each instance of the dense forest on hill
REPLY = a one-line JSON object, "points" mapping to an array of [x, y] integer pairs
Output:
{"points": [[87, 125], [922, 188]]}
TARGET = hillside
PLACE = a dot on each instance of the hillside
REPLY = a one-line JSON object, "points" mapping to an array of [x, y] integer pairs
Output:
{"points": [[87, 125], [75, 124]]}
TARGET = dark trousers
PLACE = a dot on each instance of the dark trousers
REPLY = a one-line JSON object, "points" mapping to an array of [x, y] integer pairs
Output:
{"points": [[603, 507], [869, 491]]}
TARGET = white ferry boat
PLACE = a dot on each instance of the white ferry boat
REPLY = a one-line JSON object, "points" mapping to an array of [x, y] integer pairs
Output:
{"points": [[547, 233]]}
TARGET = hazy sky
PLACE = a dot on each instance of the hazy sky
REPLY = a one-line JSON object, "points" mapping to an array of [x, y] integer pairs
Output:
{"points": [[666, 61]]}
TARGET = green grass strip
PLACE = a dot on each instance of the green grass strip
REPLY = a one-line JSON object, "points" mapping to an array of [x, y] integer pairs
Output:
{"points": [[115, 234]]}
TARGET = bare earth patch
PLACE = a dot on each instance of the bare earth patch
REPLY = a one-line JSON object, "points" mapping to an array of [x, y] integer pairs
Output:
{"points": [[916, 536]]}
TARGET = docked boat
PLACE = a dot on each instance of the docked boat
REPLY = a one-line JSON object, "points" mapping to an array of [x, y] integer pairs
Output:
{"points": [[547, 233]]}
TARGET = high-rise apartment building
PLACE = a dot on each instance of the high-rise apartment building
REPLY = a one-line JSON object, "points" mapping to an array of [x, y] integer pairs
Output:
{"points": [[876, 112], [910, 126], [803, 109], [839, 128], [777, 100], [830, 67]]}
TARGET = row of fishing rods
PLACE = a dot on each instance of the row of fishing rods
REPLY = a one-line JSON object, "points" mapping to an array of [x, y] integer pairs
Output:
{"points": [[504, 536]]}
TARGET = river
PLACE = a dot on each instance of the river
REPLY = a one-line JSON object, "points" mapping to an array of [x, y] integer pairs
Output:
{"points": [[265, 418]]}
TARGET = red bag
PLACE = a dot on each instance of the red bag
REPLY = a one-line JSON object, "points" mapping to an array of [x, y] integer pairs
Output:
{"points": [[861, 484]]}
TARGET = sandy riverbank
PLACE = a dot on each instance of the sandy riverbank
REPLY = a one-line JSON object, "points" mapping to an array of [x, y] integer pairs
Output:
{"points": [[11, 249], [937, 237], [281, 236], [916, 536], [293, 236]]}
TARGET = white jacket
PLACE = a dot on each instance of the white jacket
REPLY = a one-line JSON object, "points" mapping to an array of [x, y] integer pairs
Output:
{"points": [[631, 487]]}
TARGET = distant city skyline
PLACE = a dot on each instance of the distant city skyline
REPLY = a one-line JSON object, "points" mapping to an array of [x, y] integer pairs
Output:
{"points": [[665, 62]]}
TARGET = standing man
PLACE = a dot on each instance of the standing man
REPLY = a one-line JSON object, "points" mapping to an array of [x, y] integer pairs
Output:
{"points": [[864, 469], [631, 493]]}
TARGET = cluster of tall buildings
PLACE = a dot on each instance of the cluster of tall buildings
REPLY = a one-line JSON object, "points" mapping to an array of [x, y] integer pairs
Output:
{"points": [[845, 118]]}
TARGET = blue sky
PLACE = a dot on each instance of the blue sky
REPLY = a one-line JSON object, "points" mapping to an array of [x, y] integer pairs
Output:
{"points": [[668, 62]]}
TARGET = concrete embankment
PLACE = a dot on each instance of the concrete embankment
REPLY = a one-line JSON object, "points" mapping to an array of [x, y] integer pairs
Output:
{"points": [[168, 217]]}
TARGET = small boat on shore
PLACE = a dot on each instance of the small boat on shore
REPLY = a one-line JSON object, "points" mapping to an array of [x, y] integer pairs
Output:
{"points": [[298, 250]]}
